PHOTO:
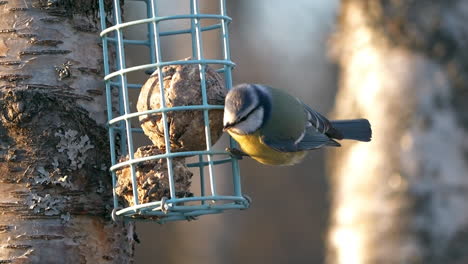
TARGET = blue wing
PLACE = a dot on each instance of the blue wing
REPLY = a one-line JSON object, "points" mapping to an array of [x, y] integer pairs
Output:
{"points": [[316, 121], [314, 136]]}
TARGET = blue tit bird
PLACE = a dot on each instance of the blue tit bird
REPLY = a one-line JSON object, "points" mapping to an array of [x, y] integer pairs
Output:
{"points": [[276, 128]]}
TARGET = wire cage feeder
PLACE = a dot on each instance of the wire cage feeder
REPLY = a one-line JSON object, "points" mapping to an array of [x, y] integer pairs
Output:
{"points": [[119, 125]]}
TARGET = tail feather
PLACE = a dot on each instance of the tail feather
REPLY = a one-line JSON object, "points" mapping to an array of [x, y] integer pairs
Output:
{"points": [[357, 129]]}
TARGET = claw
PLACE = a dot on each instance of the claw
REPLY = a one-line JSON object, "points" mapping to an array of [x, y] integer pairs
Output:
{"points": [[191, 218], [247, 202], [237, 153]]}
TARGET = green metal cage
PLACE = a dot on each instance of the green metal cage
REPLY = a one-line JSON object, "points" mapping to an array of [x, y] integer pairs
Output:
{"points": [[170, 208]]}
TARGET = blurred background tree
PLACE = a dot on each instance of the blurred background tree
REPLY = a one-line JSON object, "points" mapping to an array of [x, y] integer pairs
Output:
{"points": [[54, 186], [402, 199]]}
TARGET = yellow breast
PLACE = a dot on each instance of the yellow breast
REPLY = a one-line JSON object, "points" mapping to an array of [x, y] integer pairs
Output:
{"points": [[255, 148]]}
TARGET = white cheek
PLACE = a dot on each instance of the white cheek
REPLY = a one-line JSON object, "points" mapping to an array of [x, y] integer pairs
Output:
{"points": [[251, 124], [228, 117]]}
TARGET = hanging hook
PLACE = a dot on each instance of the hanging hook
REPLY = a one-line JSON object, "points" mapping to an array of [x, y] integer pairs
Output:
{"points": [[116, 218]]}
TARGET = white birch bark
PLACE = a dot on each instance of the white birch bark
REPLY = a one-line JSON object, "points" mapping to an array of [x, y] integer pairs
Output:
{"points": [[54, 182]]}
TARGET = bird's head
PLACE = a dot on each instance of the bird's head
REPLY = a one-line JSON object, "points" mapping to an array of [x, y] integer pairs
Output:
{"points": [[247, 108]]}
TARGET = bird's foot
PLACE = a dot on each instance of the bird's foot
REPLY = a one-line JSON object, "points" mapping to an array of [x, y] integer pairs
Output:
{"points": [[237, 153], [248, 199], [191, 218]]}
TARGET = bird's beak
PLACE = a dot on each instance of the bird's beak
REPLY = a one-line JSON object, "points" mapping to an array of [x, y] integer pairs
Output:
{"points": [[227, 127]]}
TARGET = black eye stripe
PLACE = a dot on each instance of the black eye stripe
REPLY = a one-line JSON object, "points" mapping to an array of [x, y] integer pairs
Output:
{"points": [[247, 115], [265, 100]]}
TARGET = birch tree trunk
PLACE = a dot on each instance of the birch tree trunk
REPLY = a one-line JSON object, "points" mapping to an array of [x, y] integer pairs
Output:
{"points": [[403, 197], [55, 189]]}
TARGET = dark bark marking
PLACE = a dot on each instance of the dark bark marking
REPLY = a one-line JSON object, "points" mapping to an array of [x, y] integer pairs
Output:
{"points": [[94, 92], [9, 30], [38, 216], [45, 42], [89, 70], [44, 52], [89, 8], [14, 77], [51, 20], [17, 246], [58, 12], [26, 35], [7, 63], [86, 28], [16, 9], [46, 87], [38, 237]]}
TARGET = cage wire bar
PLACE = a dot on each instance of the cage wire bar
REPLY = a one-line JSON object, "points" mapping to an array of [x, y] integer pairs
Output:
{"points": [[172, 208]]}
